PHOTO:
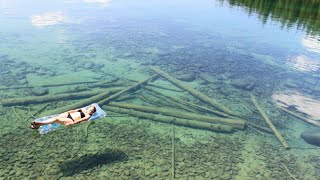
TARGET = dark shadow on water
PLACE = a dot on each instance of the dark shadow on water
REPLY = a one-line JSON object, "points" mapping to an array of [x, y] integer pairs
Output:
{"points": [[90, 161]]}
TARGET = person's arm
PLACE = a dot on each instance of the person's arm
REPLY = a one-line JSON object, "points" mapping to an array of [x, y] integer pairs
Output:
{"points": [[72, 111], [86, 118]]}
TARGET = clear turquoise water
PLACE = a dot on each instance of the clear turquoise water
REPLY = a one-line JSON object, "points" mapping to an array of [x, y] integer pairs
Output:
{"points": [[213, 43]]}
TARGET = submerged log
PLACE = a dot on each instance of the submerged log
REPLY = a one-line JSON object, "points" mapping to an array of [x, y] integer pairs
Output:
{"points": [[125, 98], [173, 153], [268, 121], [192, 105], [48, 85], [193, 92], [79, 104], [100, 98], [173, 120], [170, 102], [163, 87], [47, 98], [310, 121], [159, 86], [259, 127], [236, 123], [114, 96]]}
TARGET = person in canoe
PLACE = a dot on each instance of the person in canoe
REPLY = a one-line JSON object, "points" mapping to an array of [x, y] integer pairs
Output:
{"points": [[68, 118]]}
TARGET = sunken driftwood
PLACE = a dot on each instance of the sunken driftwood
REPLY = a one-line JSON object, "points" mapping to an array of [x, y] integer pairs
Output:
{"points": [[48, 85], [160, 86], [194, 92], [48, 98], [173, 153], [152, 100], [169, 101], [235, 123], [100, 98], [116, 95], [310, 121], [173, 120], [54, 97], [125, 98], [89, 83], [163, 87], [201, 108], [149, 101], [79, 104], [290, 175], [192, 105], [259, 127], [268, 121]]}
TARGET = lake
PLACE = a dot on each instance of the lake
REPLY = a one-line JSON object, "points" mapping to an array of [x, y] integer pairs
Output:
{"points": [[237, 94]]}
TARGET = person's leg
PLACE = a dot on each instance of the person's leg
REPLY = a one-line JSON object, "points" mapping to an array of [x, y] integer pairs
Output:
{"points": [[48, 121], [65, 121], [61, 119]]}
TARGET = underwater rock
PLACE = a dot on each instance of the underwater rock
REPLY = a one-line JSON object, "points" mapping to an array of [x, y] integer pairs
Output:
{"points": [[309, 80], [39, 91], [186, 77], [226, 176], [88, 65], [23, 81], [202, 82], [222, 77], [291, 84], [209, 79], [243, 84], [316, 89], [98, 66], [311, 137]]}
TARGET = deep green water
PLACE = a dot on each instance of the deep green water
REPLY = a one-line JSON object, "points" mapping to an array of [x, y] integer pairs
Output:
{"points": [[226, 49]]}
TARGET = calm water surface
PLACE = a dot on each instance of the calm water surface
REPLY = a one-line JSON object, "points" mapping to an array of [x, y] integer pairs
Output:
{"points": [[227, 49]]}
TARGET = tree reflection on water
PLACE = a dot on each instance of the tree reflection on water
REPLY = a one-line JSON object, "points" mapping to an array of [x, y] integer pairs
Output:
{"points": [[304, 14]]}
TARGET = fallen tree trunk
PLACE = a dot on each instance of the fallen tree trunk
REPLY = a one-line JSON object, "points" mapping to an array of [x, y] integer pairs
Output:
{"points": [[114, 96], [268, 121], [192, 105], [173, 120], [100, 98], [125, 98], [79, 104], [159, 86], [238, 124], [193, 92], [170, 102], [163, 87], [91, 83], [173, 153], [259, 127], [48, 85], [47, 98], [53, 97], [149, 101], [310, 121]]}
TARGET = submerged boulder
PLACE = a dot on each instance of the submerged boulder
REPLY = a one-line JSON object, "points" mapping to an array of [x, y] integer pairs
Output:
{"points": [[311, 137], [244, 84], [186, 77], [39, 91]]}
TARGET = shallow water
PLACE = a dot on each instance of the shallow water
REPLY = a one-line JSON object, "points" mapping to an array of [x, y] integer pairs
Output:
{"points": [[226, 49]]}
